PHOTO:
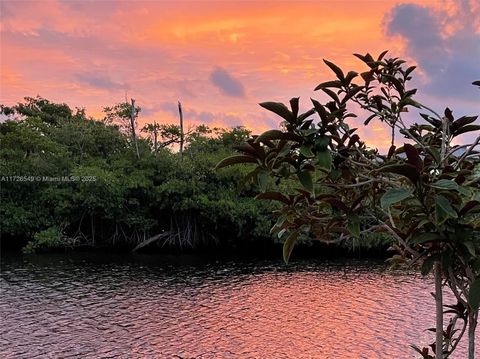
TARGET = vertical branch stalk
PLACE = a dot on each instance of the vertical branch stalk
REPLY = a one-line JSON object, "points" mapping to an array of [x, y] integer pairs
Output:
{"points": [[155, 138], [472, 325], [438, 265], [132, 125], [180, 112], [439, 311]]}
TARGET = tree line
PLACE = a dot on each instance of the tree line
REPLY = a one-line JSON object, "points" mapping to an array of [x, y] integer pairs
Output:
{"points": [[69, 180]]}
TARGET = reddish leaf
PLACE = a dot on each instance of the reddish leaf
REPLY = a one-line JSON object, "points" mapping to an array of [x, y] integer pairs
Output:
{"points": [[468, 207], [350, 76], [449, 115], [391, 151], [409, 70], [338, 71], [277, 135], [274, 196], [462, 121], [367, 121], [235, 160], [336, 83], [337, 203], [413, 157], [406, 170], [294, 106], [367, 76], [249, 150], [355, 138], [465, 129], [321, 111], [332, 94], [352, 93], [280, 109], [380, 57]]}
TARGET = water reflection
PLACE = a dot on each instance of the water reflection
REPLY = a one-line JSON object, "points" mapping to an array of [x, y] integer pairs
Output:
{"points": [[188, 307]]}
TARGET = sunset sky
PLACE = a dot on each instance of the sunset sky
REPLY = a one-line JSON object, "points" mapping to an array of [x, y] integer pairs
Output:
{"points": [[221, 58]]}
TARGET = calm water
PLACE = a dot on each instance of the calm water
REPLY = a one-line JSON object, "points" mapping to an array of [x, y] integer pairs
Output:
{"points": [[164, 307]]}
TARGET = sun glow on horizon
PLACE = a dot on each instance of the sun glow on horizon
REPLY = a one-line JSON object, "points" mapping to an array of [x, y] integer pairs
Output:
{"points": [[220, 59]]}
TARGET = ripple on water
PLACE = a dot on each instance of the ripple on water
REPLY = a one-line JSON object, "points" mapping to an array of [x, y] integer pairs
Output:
{"points": [[84, 308]]}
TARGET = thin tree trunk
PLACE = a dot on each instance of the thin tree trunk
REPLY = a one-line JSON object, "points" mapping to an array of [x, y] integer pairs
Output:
{"points": [[472, 325], [155, 138], [92, 224], [181, 128], [439, 311], [438, 265], [132, 125]]}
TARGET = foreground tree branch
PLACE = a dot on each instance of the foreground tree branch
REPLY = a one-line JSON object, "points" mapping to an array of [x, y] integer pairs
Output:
{"points": [[421, 193]]}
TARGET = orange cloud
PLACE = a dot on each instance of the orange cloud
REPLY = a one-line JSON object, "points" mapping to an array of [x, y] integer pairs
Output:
{"points": [[90, 54]]}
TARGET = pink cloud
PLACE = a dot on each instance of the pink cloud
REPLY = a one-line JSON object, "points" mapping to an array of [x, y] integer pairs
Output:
{"points": [[88, 53]]}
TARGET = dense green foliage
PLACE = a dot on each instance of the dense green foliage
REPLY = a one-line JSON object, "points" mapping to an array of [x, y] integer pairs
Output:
{"points": [[69, 180]]}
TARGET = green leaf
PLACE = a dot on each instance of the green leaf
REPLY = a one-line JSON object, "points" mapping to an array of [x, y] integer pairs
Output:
{"points": [[305, 178], [280, 109], [321, 143], [325, 160], [288, 246], [424, 237], [394, 195], [353, 225], [447, 259], [307, 151], [285, 150], [309, 132], [262, 179], [470, 247], [335, 174], [234, 160], [476, 265], [449, 184], [443, 209], [427, 265], [435, 153], [474, 294]]}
